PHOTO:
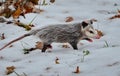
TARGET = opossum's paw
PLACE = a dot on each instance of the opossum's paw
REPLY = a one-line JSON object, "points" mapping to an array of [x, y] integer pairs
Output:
{"points": [[46, 46], [65, 45]]}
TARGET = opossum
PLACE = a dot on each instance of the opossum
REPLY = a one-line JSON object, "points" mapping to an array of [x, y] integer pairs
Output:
{"points": [[62, 33]]}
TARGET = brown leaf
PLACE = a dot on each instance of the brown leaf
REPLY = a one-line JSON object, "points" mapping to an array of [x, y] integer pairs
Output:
{"points": [[29, 6], [77, 70], [116, 16], [52, 1], [10, 70], [69, 19], [36, 10], [57, 61], [100, 33], [17, 13], [6, 12], [3, 36], [34, 1]]}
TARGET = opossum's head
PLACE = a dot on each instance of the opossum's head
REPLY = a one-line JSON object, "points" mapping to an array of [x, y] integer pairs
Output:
{"points": [[88, 30]]}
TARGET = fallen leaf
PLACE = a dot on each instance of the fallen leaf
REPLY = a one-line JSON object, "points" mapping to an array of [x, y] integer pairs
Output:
{"points": [[34, 1], [17, 13], [52, 1], [6, 12], [2, 37], [115, 16], [10, 70], [77, 70], [69, 19], [36, 10], [57, 61], [100, 33], [29, 6]]}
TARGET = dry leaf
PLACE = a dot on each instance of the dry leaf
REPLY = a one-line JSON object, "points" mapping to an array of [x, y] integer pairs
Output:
{"points": [[18, 3], [77, 70], [99, 33], [17, 13], [34, 1], [52, 1], [29, 6], [116, 16], [6, 12], [36, 10], [2, 36], [57, 61], [10, 70], [69, 19]]}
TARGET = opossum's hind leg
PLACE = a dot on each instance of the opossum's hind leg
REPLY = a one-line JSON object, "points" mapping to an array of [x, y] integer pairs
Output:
{"points": [[45, 46], [74, 45]]}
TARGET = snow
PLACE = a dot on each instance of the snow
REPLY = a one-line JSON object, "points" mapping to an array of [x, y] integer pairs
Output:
{"points": [[102, 61]]}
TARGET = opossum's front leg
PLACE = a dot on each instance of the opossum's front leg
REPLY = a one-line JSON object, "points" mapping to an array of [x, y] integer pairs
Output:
{"points": [[45, 46], [74, 45]]}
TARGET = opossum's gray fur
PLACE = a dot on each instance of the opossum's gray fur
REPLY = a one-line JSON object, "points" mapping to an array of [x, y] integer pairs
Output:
{"points": [[62, 33], [59, 33]]}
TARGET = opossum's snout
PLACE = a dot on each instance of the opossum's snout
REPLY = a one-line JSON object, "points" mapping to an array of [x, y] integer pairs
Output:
{"points": [[97, 37]]}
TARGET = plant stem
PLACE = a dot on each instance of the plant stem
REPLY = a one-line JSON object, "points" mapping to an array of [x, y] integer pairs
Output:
{"points": [[32, 20], [106, 44]]}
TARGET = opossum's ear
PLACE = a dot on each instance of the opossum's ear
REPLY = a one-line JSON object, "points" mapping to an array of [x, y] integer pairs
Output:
{"points": [[84, 24]]}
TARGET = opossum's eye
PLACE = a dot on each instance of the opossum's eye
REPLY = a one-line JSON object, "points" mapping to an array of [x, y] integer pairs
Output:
{"points": [[91, 31], [84, 24], [91, 22]]}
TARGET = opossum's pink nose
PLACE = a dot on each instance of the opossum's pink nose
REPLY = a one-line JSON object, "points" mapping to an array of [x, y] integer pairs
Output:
{"points": [[97, 37]]}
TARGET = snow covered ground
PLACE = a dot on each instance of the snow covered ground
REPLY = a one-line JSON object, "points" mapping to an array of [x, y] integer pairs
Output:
{"points": [[102, 61]]}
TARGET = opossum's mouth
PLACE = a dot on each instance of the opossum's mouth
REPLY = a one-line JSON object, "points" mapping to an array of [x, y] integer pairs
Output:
{"points": [[88, 39]]}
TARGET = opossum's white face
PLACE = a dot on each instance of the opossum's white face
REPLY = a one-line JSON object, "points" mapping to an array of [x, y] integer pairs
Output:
{"points": [[89, 31]]}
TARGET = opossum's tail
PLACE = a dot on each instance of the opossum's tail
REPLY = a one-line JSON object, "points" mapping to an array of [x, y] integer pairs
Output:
{"points": [[19, 38]]}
